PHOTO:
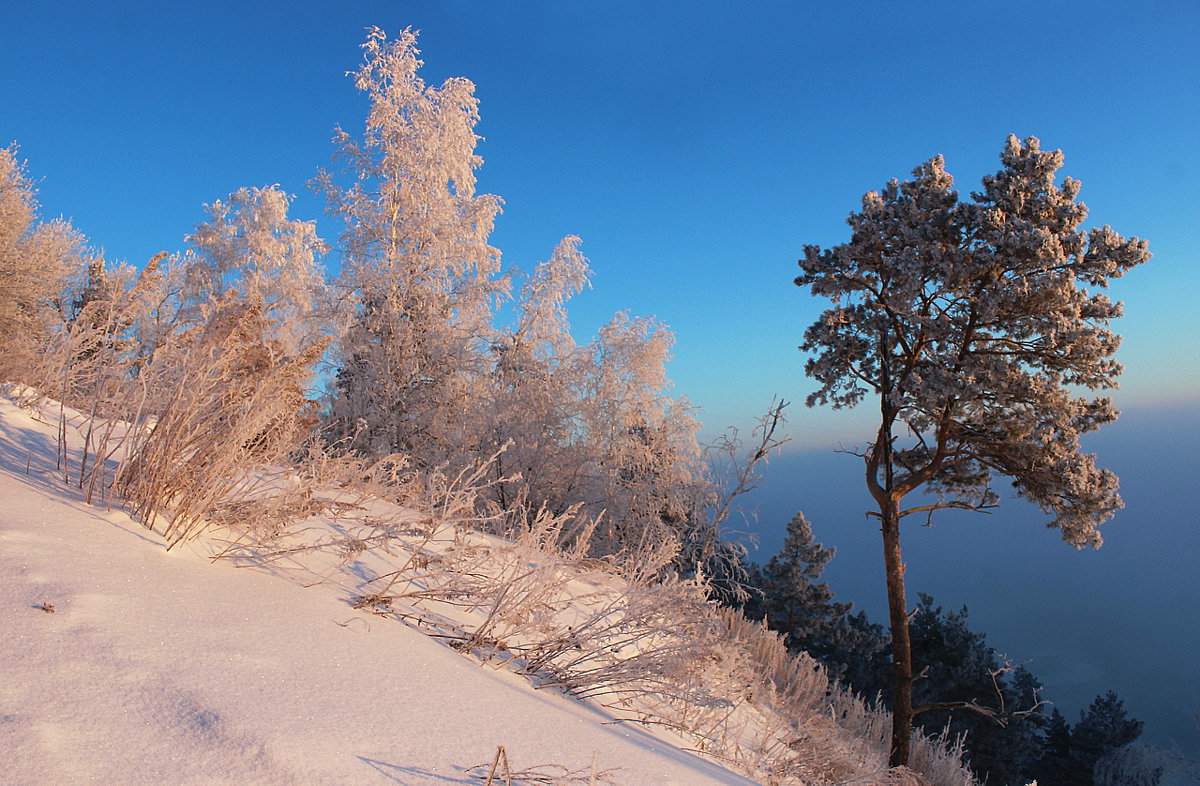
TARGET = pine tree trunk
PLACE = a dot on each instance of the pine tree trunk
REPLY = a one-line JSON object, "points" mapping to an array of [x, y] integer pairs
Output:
{"points": [[902, 714], [888, 501]]}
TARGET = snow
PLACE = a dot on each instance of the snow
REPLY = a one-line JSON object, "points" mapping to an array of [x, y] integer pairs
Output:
{"points": [[125, 663]]}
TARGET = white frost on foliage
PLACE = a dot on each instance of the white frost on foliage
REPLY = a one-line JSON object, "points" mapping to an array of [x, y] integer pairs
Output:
{"points": [[249, 245], [972, 320]]}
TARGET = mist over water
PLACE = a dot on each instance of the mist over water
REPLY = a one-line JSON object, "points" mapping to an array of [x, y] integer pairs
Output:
{"points": [[1125, 617]]}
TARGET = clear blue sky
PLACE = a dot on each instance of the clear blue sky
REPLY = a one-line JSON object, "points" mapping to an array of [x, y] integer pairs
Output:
{"points": [[694, 146]]}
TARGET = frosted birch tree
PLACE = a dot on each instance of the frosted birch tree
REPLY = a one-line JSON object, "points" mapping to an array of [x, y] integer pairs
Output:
{"points": [[645, 469], [421, 371], [533, 399], [251, 246], [975, 325], [419, 279]]}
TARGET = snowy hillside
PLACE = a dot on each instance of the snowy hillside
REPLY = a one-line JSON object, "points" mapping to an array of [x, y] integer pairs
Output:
{"points": [[125, 663]]}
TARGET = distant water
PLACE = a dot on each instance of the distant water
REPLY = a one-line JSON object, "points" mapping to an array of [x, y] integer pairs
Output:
{"points": [[1125, 617]]}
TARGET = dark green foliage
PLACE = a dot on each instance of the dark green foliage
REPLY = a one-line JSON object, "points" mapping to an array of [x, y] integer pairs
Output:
{"points": [[965, 685], [1056, 748], [1009, 738], [1012, 735], [786, 594], [793, 601], [1070, 755], [862, 658], [1103, 727]]}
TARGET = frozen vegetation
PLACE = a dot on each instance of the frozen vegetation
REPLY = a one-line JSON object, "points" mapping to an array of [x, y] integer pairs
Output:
{"points": [[481, 544], [316, 633], [265, 525]]}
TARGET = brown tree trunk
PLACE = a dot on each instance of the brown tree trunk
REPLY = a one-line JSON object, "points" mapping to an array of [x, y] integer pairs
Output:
{"points": [[887, 497], [902, 712]]}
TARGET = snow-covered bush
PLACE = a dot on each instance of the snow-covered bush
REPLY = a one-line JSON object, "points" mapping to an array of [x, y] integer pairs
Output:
{"points": [[1143, 765]]}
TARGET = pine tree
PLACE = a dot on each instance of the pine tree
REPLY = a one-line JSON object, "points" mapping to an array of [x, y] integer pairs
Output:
{"points": [[966, 687], [787, 595], [972, 323], [793, 601], [1071, 754], [1103, 727], [1054, 764]]}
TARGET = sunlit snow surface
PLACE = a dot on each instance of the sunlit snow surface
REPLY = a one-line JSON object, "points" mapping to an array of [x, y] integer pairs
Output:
{"points": [[121, 662]]}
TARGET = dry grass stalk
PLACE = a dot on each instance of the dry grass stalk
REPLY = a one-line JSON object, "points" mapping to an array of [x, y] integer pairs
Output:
{"points": [[237, 404], [550, 774]]}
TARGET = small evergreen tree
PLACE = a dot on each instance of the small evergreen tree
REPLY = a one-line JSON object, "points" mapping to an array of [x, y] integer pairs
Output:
{"points": [[1071, 755], [966, 687], [793, 601], [1053, 766], [786, 594]]}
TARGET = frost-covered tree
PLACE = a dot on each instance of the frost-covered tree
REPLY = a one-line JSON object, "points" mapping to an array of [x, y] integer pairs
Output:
{"points": [[1144, 765], [249, 245], [973, 324], [418, 276], [532, 403], [645, 468], [35, 258], [591, 426], [89, 361]]}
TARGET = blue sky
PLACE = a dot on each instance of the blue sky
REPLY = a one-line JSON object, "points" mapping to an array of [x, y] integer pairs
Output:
{"points": [[695, 147]]}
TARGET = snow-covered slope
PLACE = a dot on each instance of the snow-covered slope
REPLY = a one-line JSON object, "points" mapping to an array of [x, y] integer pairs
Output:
{"points": [[121, 662]]}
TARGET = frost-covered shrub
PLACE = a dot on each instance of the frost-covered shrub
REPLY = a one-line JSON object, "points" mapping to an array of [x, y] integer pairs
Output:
{"points": [[228, 400], [1144, 765]]}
